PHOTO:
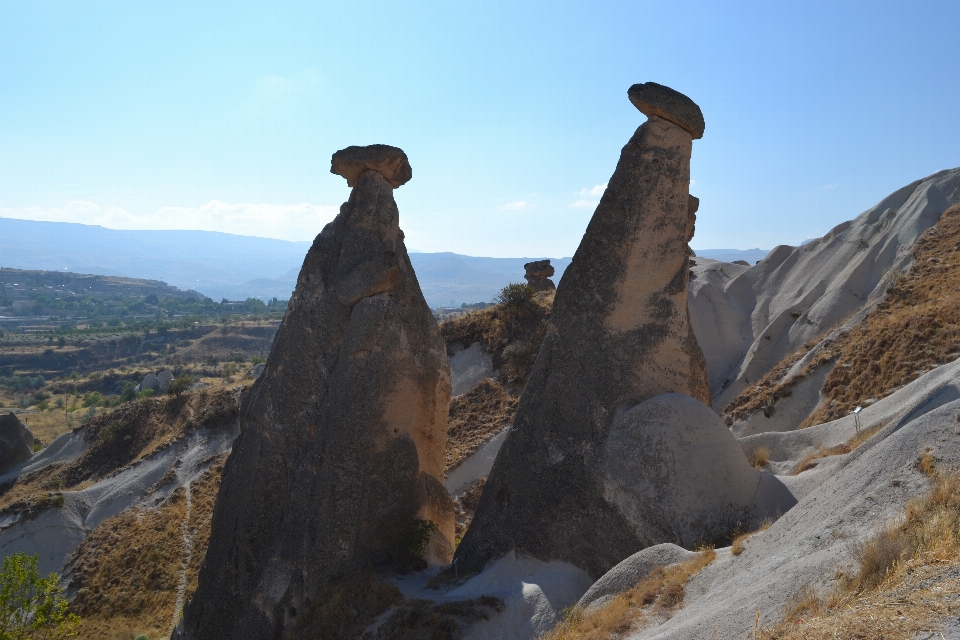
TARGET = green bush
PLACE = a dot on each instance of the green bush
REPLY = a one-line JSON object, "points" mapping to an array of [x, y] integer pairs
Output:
{"points": [[31, 606], [93, 399], [147, 393], [129, 391], [514, 294], [405, 542], [180, 384]]}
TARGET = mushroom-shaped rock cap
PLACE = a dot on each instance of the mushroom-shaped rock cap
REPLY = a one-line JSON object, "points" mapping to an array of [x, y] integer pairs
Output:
{"points": [[390, 162], [654, 99]]}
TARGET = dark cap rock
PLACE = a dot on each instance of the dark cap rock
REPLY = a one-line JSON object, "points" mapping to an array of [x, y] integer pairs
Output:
{"points": [[390, 162], [539, 269], [654, 99]]}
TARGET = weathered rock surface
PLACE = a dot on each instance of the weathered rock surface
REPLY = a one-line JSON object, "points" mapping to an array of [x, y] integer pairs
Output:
{"points": [[342, 436], [538, 275], [390, 162], [620, 334], [676, 473], [164, 379], [631, 571], [654, 99], [150, 381], [16, 442], [748, 320]]}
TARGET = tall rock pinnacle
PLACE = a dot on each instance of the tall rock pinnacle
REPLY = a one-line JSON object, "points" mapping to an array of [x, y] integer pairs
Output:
{"points": [[620, 334], [342, 436]]}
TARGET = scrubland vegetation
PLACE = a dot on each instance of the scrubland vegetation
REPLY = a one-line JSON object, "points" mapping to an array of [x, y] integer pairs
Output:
{"points": [[903, 579]]}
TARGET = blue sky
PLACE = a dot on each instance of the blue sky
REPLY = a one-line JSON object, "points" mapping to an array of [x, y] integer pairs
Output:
{"points": [[223, 115]]}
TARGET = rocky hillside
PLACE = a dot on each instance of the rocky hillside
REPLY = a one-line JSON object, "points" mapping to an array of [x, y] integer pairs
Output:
{"points": [[121, 506]]}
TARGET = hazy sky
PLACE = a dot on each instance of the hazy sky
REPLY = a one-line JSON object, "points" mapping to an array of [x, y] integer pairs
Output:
{"points": [[223, 115]]}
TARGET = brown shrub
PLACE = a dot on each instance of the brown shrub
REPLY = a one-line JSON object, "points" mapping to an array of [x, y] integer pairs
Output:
{"points": [[760, 457]]}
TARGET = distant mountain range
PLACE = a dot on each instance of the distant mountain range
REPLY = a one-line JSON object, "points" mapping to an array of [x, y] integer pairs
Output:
{"points": [[222, 265]]}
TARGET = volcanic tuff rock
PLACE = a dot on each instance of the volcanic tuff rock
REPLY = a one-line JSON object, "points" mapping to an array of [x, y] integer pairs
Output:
{"points": [[619, 334], [390, 162], [654, 99], [16, 442], [342, 436], [538, 275]]}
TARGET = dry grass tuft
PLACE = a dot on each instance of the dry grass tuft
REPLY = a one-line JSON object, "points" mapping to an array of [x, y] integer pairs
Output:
{"points": [[760, 458], [927, 464], [739, 540], [809, 461], [904, 583], [659, 594]]}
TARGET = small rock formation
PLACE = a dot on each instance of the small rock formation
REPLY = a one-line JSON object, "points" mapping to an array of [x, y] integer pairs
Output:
{"points": [[619, 335], [342, 435], [164, 379], [16, 442], [150, 381], [538, 275]]}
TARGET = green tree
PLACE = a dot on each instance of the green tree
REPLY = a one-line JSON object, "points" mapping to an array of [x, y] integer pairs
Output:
{"points": [[514, 294], [180, 384], [31, 607]]}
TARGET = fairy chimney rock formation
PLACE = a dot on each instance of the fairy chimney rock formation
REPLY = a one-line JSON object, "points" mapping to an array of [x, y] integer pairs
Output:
{"points": [[342, 436], [538, 275], [619, 335]]}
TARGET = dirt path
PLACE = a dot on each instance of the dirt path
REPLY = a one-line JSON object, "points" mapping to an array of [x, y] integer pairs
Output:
{"points": [[188, 553]]}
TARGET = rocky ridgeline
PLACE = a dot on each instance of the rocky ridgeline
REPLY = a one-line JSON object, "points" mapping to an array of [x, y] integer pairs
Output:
{"points": [[619, 335], [342, 436]]}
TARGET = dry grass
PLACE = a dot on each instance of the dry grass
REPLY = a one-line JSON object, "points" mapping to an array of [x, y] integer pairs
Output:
{"points": [[905, 582], [512, 333], [477, 416], [809, 461], [47, 425], [740, 539], [127, 571], [911, 331], [760, 458], [656, 596], [775, 384], [230, 342]]}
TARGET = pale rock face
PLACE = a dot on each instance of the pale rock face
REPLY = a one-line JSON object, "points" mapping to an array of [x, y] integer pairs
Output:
{"points": [[620, 334], [342, 435]]}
